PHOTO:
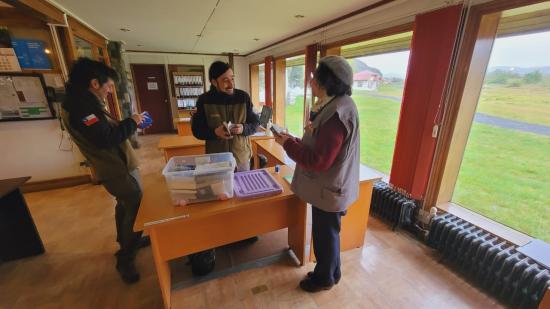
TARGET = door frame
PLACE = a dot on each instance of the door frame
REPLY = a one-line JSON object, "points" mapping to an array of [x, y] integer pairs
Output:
{"points": [[136, 91]]}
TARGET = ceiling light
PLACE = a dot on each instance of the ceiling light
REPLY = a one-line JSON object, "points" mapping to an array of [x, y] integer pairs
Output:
{"points": [[299, 16], [124, 29], [47, 51]]}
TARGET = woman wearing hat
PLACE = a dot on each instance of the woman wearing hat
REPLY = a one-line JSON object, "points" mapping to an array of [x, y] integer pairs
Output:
{"points": [[327, 165]]}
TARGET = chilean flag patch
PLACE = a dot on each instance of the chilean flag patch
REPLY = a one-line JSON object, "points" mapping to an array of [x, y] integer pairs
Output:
{"points": [[90, 119]]}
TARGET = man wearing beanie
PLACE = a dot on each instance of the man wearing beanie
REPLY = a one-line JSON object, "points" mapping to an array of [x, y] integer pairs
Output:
{"points": [[223, 103]]}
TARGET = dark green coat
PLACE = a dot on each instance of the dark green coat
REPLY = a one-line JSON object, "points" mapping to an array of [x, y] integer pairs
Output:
{"points": [[213, 108], [102, 140]]}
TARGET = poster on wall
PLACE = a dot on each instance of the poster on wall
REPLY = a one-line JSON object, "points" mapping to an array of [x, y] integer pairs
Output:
{"points": [[31, 54], [23, 97], [8, 58]]}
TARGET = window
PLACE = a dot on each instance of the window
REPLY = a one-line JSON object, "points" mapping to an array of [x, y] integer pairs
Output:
{"points": [[379, 68], [261, 84], [504, 172], [294, 95]]}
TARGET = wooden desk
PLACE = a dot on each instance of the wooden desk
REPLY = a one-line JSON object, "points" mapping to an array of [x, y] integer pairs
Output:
{"points": [[180, 146], [184, 126], [274, 152], [354, 223], [189, 145], [19, 237], [182, 230]]}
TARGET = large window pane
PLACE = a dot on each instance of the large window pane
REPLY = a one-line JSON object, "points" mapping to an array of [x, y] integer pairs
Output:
{"points": [[294, 97], [504, 173], [261, 86], [377, 91]]}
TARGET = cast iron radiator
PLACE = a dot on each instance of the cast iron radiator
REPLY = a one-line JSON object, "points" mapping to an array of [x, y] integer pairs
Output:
{"points": [[489, 261], [392, 206]]}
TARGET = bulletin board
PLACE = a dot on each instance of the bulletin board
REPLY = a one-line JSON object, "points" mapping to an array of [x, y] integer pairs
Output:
{"points": [[23, 97]]}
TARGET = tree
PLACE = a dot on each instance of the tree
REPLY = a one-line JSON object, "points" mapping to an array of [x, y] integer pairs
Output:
{"points": [[296, 76], [533, 77]]}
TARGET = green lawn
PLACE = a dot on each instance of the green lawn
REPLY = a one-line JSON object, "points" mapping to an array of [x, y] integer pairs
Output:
{"points": [[528, 103], [504, 174]]}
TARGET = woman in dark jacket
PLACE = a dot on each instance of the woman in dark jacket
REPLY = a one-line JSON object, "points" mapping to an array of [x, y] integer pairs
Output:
{"points": [[327, 170]]}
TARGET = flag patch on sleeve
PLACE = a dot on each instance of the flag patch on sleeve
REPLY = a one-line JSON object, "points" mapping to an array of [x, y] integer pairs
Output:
{"points": [[90, 119]]}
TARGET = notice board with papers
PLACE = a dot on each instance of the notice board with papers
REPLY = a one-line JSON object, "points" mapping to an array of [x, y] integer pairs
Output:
{"points": [[23, 97]]}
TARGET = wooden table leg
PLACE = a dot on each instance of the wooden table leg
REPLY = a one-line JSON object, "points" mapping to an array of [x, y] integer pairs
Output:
{"points": [[297, 230], [163, 269], [255, 154]]}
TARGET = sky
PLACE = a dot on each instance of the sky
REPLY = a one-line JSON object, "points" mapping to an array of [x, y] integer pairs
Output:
{"points": [[527, 50], [389, 64]]}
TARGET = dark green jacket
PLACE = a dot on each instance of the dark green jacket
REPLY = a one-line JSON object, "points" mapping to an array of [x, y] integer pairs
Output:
{"points": [[213, 108], [102, 140]]}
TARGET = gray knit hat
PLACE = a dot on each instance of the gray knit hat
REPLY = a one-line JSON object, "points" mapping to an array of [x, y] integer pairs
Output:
{"points": [[340, 67]]}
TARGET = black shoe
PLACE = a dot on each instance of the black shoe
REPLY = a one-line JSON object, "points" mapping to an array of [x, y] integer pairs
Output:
{"points": [[128, 272], [309, 286], [144, 242], [310, 275]]}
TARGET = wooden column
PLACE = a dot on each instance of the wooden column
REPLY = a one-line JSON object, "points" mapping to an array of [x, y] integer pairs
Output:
{"points": [[430, 61], [254, 84], [463, 98], [269, 81], [310, 65], [330, 51], [280, 92]]}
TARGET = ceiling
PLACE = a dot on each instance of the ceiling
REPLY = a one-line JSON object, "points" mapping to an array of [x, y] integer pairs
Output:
{"points": [[224, 25]]}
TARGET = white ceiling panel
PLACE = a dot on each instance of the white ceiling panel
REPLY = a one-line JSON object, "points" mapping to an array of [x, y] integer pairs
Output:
{"points": [[226, 25]]}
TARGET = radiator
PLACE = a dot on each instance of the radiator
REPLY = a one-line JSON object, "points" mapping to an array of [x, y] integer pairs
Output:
{"points": [[392, 206], [492, 263]]}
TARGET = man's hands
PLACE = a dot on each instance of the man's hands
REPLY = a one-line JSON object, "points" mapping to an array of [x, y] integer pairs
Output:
{"points": [[221, 132], [138, 118], [237, 129]]}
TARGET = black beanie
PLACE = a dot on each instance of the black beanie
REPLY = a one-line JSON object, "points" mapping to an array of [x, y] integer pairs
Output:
{"points": [[217, 69]]}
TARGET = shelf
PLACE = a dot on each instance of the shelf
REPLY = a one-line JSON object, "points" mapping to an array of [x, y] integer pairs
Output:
{"points": [[188, 86], [188, 97]]}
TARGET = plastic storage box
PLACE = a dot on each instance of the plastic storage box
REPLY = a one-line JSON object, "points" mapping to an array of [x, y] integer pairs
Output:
{"points": [[193, 179]]}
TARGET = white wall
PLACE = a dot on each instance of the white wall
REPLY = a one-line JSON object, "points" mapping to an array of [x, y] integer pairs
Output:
{"points": [[240, 64], [31, 148]]}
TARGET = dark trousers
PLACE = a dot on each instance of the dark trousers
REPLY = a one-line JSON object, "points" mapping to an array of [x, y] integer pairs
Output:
{"points": [[326, 245], [127, 191]]}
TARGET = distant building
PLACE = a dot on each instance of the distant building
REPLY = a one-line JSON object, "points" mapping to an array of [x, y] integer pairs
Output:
{"points": [[367, 80]]}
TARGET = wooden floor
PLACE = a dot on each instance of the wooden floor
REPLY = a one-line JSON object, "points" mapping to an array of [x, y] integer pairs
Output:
{"points": [[76, 224]]}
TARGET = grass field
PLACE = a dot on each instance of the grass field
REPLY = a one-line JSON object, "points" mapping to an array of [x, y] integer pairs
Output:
{"points": [[528, 103], [504, 174]]}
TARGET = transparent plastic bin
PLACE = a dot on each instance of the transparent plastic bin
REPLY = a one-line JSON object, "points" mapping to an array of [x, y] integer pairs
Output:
{"points": [[193, 179]]}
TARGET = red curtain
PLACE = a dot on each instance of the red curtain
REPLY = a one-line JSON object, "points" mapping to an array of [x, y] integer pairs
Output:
{"points": [[430, 59]]}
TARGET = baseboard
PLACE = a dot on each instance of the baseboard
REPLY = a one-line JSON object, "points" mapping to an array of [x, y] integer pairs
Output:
{"points": [[56, 183]]}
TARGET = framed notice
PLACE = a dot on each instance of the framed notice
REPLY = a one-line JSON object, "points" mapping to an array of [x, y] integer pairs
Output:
{"points": [[23, 97]]}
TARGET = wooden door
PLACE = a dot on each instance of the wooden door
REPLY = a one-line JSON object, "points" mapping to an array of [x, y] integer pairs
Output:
{"points": [[152, 95]]}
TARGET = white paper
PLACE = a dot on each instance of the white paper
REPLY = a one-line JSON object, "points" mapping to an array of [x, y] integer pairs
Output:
{"points": [[8, 60], [31, 90], [152, 86], [53, 80], [9, 101]]}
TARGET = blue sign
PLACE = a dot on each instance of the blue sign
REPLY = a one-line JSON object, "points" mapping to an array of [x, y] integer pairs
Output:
{"points": [[31, 54]]}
